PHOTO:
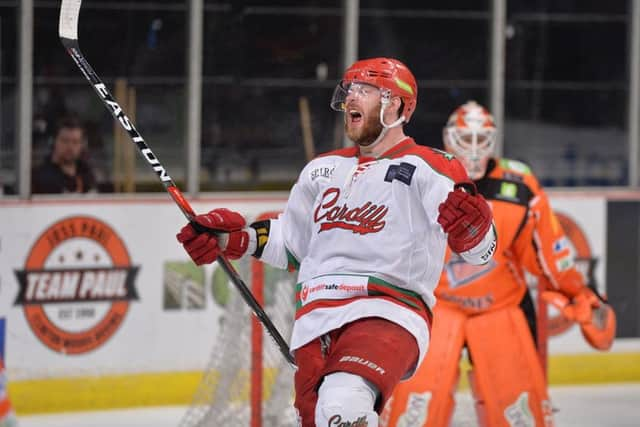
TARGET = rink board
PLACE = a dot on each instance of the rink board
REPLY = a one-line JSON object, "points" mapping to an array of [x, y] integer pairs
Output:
{"points": [[103, 310]]}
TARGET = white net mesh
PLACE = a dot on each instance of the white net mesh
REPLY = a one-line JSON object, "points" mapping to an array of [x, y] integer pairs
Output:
{"points": [[223, 396]]}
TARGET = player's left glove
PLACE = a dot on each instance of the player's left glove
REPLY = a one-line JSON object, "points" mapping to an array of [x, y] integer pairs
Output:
{"points": [[465, 216], [596, 318]]}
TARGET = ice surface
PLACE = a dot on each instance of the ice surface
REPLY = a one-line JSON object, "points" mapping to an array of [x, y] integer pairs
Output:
{"points": [[612, 405]]}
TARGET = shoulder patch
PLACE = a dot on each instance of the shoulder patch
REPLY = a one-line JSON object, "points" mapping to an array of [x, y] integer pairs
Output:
{"points": [[322, 171], [402, 172]]}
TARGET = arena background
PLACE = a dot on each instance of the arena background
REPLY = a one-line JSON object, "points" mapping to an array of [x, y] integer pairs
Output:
{"points": [[222, 92]]}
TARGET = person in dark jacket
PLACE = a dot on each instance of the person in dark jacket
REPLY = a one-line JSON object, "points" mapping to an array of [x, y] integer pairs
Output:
{"points": [[65, 170]]}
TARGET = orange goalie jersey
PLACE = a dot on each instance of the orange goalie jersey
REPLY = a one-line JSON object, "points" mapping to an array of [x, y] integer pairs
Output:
{"points": [[529, 237], [487, 308]]}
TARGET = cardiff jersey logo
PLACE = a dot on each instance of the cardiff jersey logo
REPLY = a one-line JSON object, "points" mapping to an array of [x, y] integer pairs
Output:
{"points": [[364, 219], [76, 285]]}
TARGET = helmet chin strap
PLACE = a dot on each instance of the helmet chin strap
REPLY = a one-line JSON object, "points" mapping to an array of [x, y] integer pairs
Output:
{"points": [[385, 127]]}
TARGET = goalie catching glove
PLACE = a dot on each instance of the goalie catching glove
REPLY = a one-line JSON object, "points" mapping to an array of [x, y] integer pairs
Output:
{"points": [[219, 232], [465, 216], [596, 318]]}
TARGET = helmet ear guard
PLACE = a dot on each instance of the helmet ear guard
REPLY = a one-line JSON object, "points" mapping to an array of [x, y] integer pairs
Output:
{"points": [[385, 100]]}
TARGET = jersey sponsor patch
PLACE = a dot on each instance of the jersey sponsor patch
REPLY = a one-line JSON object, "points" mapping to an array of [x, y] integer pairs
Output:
{"points": [[402, 172], [323, 172], [333, 286]]}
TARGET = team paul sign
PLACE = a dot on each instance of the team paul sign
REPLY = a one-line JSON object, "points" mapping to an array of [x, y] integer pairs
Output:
{"points": [[76, 285]]}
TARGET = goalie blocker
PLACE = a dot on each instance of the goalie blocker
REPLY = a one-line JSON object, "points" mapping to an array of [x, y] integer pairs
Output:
{"points": [[596, 318]]}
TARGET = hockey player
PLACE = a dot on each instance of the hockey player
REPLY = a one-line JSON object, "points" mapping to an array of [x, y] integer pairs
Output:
{"points": [[488, 308], [359, 224]]}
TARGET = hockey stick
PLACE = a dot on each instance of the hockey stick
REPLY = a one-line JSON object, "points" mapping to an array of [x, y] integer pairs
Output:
{"points": [[305, 124], [68, 32]]}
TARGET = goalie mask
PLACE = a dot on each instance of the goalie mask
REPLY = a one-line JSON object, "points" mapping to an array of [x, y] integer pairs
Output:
{"points": [[470, 135], [390, 76]]}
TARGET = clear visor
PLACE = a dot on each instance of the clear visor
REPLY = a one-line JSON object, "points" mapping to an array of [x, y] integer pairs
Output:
{"points": [[472, 147], [346, 91]]}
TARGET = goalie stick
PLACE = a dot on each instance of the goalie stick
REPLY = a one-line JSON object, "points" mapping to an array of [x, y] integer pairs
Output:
{"points": [[68, 32]]}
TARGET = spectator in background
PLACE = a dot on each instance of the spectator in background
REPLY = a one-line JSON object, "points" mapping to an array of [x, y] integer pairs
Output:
{"points": [[66, 169]]}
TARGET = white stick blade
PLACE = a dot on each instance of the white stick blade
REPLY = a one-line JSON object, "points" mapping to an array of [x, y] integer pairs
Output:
{"points": [[68, 26]]}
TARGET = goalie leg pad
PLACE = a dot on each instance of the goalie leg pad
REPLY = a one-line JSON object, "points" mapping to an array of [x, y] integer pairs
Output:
{"points": [[345, 399], [508, 377], [431, 389]]}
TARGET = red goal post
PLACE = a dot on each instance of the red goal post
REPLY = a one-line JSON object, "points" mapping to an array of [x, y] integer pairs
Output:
{"points": [[247, 381]]}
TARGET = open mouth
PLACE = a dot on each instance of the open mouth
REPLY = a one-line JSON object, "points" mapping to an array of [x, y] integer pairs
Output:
{"points": [[355, 116]]}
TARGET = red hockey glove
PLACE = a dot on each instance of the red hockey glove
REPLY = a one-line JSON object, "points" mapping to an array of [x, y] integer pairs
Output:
{"points": [[465, 217], [596, 318], [219, 232]]}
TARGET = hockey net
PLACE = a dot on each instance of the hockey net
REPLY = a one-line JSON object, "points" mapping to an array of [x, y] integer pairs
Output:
{"points": [[247, 381]]}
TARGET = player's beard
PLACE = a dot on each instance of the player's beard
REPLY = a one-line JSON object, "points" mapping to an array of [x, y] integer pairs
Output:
{"points": [[367, 133]]}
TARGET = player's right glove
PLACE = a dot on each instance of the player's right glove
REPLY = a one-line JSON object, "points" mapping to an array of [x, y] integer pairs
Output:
{"points": [[465, 216], [596, 318], [217, 232]]}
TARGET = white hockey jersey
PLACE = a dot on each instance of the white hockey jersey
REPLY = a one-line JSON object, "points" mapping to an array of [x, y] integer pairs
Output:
{"points": [[364, 234]]}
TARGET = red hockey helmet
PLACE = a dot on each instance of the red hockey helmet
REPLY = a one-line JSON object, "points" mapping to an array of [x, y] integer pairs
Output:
{"points": [[384, 73]]}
